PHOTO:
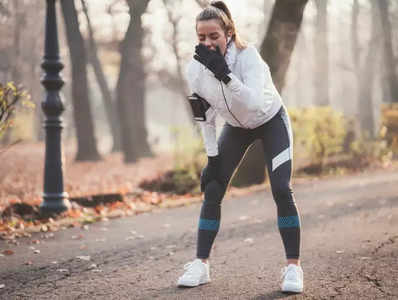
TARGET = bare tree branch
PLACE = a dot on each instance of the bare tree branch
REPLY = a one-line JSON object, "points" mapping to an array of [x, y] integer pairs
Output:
{"points": [[92, 53], [174, 20], [203, 3], [4, 10], [111, 6]]}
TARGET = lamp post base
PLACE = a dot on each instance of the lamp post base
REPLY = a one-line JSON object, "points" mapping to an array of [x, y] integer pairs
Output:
{"points": [[54, 203]]}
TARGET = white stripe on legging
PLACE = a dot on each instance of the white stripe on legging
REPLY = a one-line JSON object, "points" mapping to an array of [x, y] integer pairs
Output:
{"points": [[282, 157], [286, 154]]}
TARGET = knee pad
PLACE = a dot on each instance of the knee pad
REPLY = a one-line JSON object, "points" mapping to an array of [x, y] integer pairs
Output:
{"points": [[214, 192]]}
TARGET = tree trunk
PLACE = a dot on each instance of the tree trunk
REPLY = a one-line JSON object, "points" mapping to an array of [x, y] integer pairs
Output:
{"points": [[321, 55], [365, 104], [276, 50], [86, 143], [102, 83], [131, 87], [389, 59], [18, 27], [354, 37], [281, 36], [267, 10]]}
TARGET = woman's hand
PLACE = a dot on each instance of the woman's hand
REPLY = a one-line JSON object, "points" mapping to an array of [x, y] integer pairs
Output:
{"points": [[214, 61], [210, 172]]}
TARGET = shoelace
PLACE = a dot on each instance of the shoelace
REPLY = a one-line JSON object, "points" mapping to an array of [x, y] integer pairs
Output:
{"points": [[189, 267], [290, 275]]}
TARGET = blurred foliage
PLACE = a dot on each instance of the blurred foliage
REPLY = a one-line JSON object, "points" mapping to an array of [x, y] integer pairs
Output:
{"points": [[12, 97], [389, 126], [189, 160], [324, 141], [319, 132], [365, 151], [189, 150], [330, 144]]}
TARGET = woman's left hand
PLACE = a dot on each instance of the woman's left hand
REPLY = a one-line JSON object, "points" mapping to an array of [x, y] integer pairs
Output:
{"points": [[214, 61]]}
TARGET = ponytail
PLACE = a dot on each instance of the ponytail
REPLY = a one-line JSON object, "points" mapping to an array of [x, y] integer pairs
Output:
{"points": [[221, 5]]}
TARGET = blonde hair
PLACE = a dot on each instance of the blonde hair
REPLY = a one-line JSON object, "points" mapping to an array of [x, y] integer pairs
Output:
{"points": [[218, 10]]}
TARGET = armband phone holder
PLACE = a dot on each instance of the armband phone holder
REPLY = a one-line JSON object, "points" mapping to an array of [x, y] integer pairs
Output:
{"points": [[199, 107]]}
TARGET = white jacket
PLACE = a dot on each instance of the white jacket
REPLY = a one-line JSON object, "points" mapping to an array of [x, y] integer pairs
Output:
{"points": [[251, 98]]}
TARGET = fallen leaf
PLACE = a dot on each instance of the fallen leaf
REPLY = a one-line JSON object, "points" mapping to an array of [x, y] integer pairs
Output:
{"points": [[365, 258], [87, 258], [49, 235], [77, 237], [8, 252], [63, 270]]}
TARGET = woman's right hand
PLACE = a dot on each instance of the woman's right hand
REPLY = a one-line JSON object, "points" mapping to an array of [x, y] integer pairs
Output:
{"points": [[210, 172]]}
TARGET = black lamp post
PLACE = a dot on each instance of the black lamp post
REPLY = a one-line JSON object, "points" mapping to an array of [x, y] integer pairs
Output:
{"points": [[54, 198]]}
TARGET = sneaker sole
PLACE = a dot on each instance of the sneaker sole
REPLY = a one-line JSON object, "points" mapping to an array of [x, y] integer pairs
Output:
{"points": [[291, 288], [188, 284]]}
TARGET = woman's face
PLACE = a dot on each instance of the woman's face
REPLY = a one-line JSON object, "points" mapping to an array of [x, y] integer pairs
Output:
{"points": [[211, 35]]}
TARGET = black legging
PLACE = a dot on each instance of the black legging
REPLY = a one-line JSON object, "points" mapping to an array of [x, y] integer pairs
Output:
{"points": [[276, 137]]}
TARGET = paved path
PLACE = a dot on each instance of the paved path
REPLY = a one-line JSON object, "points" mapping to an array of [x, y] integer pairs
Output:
{"points": [[349, 249]]}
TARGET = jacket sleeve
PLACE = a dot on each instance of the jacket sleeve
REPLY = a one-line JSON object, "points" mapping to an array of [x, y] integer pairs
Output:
{"points": [[255, 75], [208, 127]]}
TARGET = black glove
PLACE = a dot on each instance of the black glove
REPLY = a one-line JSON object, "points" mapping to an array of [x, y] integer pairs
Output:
{"points": [[210, 172], [214, 61]]}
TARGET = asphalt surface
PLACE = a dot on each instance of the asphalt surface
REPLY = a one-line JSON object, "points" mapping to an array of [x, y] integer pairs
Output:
{"points": [[349, 249]]}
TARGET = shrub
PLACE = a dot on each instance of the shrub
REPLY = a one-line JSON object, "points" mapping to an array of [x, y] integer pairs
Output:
{"points": [[319, 132], [189, 152], [10, 97], [189, 159], [389, 126]]}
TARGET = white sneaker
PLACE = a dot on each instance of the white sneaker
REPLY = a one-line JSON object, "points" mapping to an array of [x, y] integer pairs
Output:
{"points": [[292, 277], [196, 273]]}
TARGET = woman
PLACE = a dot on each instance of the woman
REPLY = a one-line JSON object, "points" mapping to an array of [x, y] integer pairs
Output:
{"points": [[236, 84]]}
